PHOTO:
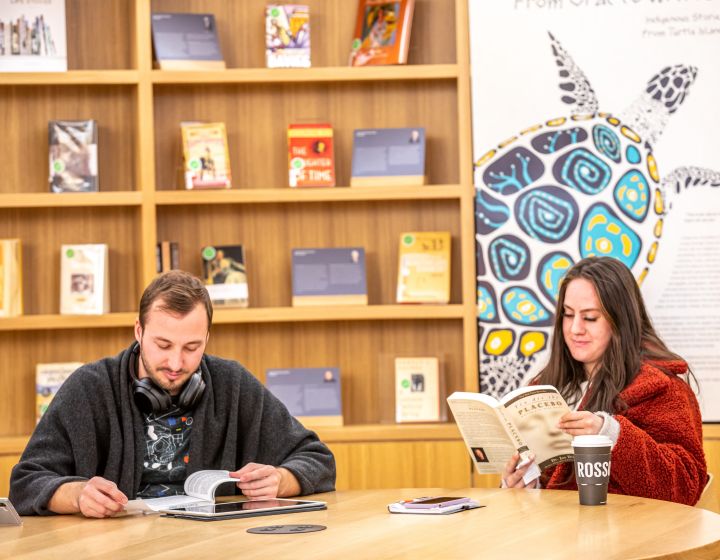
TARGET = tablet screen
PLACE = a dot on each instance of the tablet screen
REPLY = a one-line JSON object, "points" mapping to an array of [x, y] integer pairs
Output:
{"points": [[235, 508]]}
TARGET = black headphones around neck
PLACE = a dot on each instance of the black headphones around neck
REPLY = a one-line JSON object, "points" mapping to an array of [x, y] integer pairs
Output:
{"points": [[151, 398]]}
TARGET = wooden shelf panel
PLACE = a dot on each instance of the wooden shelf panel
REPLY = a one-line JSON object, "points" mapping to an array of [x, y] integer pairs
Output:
{"points": [[65, 200], [250, 315], [282, 195], [295, 75], [71, 78], [389, 432], [52, 322], [337, 313]]}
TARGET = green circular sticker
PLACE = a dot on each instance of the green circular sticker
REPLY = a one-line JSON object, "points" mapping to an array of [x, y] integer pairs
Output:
{"points": [[194, 164], [208, 253], [356, 44], [274, 12], [405, 383], [297, 163], [70, 253], [408, 240], [58, 166]]}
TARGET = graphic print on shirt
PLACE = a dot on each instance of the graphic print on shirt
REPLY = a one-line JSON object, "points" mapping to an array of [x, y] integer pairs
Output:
{"points": [[167, 453]]}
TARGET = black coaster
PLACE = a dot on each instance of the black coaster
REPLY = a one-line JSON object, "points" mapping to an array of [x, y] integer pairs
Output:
{"points": [[286, 529]]}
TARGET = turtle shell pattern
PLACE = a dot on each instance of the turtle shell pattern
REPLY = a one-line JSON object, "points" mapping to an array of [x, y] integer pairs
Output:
{"points": [[559, 191]]}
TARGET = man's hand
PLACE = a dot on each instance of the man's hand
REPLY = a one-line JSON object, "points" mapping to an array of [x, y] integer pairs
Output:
{"points": [[96, 497], [263, 482]]}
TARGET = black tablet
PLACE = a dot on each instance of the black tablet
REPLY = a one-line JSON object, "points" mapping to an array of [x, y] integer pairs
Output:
{"points": [[245, 508]]}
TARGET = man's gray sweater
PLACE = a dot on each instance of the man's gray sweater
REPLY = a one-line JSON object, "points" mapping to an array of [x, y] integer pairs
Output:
{"points": [[93, 428]]}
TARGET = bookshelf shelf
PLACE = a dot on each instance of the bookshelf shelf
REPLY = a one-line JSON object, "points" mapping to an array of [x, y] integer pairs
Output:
{"points": [[286, 194], [71, 78], [68, 200], [295, 75], [56, 322]]}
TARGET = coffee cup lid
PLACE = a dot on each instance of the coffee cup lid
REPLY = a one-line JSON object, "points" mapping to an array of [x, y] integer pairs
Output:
{"points": [[591, 441]]}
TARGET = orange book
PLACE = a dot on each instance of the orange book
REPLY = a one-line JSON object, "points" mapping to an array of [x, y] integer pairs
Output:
{"points": [[311, 161], [382, 32]]}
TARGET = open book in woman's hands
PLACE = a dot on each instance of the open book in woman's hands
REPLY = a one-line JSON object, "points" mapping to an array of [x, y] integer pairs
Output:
{"points": [[525, 420]]}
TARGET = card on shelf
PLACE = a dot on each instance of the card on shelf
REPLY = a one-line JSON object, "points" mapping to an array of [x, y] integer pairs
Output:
{"points": [[329, 276], [287, 36], [225, 275], [311, 159], [388, 157], [185, 41], [84, 285], [424, 267], [312, 395]]}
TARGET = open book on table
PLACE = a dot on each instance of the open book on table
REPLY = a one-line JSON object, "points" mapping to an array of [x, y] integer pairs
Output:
{"points": [[199, 489], [525, 420]]}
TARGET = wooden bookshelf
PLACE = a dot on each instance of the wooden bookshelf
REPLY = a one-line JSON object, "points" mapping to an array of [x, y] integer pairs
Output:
{"points": [[139, 109]]}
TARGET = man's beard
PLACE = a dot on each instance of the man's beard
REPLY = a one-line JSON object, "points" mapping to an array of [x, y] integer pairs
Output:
{"points": [[172, 387]]}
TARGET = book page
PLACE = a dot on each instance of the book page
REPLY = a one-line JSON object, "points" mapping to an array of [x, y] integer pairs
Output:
{"points": [[486, 438], [202, 484], [535, 412]]}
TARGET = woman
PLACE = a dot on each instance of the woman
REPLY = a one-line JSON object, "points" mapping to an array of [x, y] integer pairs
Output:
{"points": [[621, 381]]}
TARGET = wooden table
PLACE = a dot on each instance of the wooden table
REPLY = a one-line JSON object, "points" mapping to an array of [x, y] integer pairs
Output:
{"points": [[514, 524]]}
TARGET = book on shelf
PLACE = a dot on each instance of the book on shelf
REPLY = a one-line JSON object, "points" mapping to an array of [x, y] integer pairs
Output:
{"points": [[185, 41], [287, 36], [311, 159], [11, 288], [329, 276], [417, 390], [48, 379], [382, 32], [73, 152], [424, 267], [167, 256], [84, 284], [33, 37], [224, 275], [388, 157], [206, 156], [525, 420], [312, 395]]}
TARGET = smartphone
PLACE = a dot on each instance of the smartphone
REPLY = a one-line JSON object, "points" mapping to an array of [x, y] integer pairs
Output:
{"points": [[8, 515], [437, 501]]}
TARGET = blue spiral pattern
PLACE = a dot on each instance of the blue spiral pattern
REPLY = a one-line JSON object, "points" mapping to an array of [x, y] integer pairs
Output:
{"points": [[632, 195], [607, 142], [514, 171], [548, 214], [552, 142], [490, 213], [522, 307], [582, 170], [509, 258], [550, 272]]}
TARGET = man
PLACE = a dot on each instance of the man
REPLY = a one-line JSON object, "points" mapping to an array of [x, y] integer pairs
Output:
{"points": [[137, 424]]}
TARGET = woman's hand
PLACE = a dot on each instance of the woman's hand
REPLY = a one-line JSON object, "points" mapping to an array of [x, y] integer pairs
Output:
{"points": [[512, 477], [581, 423]]}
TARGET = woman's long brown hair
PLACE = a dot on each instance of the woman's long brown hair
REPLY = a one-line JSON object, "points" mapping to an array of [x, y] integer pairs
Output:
{"points": [[633, 339]]}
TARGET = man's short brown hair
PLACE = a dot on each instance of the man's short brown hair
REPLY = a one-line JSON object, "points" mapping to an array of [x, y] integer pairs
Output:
{"points": [[180, 292]]}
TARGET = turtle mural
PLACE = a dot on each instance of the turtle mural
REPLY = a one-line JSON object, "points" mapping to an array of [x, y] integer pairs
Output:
{"points": [[560, 190]]}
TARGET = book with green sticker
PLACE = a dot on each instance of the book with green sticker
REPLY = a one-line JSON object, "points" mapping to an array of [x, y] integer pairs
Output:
{"points": [[206, 154], [224, 275]]}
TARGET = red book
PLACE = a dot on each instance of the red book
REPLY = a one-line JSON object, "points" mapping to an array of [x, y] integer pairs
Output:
{"points": [[382, 32], [311, 161]]}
